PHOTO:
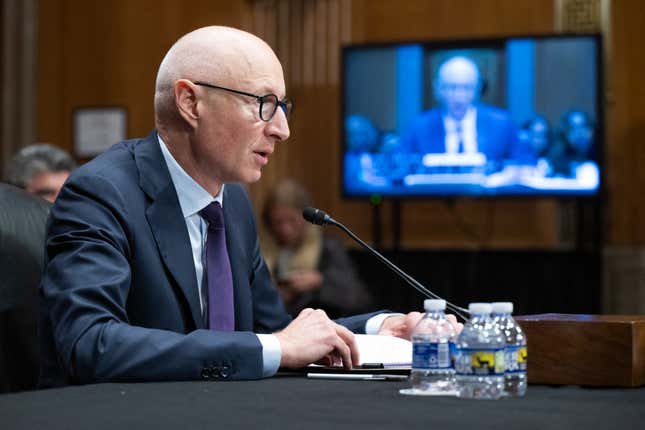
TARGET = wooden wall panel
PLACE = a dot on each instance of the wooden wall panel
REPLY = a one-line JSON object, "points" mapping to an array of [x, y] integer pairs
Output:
{"points": [[18, 42], [626, 125], [51, 112], [384, 20]]}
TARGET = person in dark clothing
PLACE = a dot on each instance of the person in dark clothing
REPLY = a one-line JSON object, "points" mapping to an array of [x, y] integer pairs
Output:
{"points": [[311, 269], [574, 143]]}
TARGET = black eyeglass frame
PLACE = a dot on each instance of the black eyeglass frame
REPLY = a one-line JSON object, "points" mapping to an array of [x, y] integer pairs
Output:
{"points": [[285, 104]]}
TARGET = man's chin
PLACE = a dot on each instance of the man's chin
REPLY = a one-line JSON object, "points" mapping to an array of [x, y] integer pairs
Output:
{"points": [[252, 177]]}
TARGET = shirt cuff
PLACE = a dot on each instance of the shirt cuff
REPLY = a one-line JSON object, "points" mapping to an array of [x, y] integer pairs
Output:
{"points": [[373, 325], [271, 354]]}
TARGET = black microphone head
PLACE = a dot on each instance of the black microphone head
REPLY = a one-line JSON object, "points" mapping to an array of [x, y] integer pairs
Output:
{"points": [[315, 216]]}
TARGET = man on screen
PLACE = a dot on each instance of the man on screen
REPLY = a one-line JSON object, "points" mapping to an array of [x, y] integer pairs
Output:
{"points": [[462, 125], [153, 265]]}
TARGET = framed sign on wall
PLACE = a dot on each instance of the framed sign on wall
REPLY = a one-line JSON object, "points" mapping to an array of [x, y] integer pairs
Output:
{"points": [[98, 128]]}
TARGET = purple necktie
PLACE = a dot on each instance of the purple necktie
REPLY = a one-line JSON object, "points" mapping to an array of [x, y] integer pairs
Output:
{"points": [[221, 314]]}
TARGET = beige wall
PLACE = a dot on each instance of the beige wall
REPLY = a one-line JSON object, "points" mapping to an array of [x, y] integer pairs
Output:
{"points": [[106, 53]]}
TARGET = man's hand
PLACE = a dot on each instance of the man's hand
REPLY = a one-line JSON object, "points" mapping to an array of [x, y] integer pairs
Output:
{"points": [[313, 337], [402, 325]]}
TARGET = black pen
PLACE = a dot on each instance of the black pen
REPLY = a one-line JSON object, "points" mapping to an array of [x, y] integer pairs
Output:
{"points": [[357, 376]]}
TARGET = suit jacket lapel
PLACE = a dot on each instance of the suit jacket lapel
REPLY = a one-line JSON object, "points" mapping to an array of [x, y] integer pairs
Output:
{"points": [[167, 222]]}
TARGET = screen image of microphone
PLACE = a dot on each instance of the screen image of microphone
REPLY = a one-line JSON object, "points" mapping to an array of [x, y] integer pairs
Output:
{"points": [[320, 217]]}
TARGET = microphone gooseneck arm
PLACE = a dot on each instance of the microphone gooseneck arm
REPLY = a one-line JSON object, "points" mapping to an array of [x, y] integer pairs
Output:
{"points": [[316, 216]]}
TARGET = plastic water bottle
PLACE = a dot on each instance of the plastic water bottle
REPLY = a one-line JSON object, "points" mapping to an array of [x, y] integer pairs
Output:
{"points": [[479, 364], [432, 370], [515, 352]]}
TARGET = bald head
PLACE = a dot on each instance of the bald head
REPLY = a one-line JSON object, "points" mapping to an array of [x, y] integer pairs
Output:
{"points": [[457, 85], [212, 88], [211, 54], [460, 68]]}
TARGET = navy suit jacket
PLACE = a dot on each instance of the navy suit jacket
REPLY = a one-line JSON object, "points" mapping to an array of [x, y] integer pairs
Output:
{"points": [[496, 135], [119, 293]]}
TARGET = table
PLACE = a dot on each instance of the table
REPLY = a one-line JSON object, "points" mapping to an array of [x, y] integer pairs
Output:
{"points": [[297, 402]]}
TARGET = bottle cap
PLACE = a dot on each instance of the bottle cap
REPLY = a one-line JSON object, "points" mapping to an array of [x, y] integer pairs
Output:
{"points": [[480, 308], [503, 307], [434, 305]]}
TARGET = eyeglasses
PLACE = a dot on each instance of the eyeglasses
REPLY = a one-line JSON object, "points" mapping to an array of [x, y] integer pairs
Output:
{"points": [[268, 103]]}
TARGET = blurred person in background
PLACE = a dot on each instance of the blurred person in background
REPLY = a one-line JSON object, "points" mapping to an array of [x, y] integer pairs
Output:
{"points": [[573, 145], [536, 132], [361, 135], [363, 160], [536, 135], [311, 269], [40, 169]]}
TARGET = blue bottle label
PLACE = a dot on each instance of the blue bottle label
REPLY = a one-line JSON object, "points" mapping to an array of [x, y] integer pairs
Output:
{"points": [[515, 358], [480, 362], [431, 355]]}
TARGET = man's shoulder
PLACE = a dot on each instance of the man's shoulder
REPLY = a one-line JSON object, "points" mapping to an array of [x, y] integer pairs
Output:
{"points": [[112, 177], [121, 163], [112, 162]]}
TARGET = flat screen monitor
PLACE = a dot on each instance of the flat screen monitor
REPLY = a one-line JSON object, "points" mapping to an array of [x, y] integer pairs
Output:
{"points": [[487, 117]]}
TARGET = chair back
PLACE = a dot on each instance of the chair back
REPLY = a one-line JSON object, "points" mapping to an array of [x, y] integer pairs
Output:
{"points": [[22, 246]]}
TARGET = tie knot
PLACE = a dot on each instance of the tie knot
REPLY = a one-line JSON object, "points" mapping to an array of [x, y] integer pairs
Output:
{"points": [[214, 215]]}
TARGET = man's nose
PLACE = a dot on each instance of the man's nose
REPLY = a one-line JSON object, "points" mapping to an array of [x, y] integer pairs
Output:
{"points": [[278, 127]]}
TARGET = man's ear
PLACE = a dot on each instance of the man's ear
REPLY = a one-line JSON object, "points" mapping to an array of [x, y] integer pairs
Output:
{"points": [[186, 101]]}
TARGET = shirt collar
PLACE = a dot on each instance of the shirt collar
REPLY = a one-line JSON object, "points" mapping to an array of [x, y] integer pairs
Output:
{"points": [[192, 196]]}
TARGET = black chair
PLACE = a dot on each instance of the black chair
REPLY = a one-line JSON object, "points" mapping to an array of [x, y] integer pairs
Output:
{"points": [[22, 238]]}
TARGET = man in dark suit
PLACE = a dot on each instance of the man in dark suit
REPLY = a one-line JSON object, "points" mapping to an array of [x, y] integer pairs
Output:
{"points": [[459, 124], [153, 264]]}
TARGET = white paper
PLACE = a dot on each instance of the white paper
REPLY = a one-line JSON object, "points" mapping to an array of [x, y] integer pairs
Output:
{"points": [[389, 350]]}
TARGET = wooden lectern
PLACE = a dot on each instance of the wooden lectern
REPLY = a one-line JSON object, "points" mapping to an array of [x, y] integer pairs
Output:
{"points": [[593, 350]]}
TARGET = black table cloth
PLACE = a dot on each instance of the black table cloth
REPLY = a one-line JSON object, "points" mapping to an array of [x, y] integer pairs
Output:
{"points": [[300, 403]]}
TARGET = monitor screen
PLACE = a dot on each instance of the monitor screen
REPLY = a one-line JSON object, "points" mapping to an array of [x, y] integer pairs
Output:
{"points": [[512, 116]]}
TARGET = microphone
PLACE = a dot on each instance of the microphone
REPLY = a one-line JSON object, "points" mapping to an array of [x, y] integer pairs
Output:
{"points": [[316, 216], [319, 217]]}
